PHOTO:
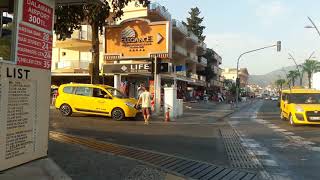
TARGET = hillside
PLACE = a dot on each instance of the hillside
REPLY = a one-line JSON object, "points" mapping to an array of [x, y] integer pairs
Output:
{"points": [[270, 78]]}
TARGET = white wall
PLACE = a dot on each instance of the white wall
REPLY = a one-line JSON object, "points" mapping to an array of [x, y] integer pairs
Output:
{"points": [[316, 81]]}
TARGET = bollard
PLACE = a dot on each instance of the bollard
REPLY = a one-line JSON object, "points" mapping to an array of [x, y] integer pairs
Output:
{"points": [[167, 119]]}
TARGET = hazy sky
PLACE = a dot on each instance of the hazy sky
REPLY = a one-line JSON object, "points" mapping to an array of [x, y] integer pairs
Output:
{"points": [[235, 26]]}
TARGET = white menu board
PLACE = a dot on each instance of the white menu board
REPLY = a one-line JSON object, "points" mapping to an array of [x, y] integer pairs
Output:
{"points": [[25, 86]]}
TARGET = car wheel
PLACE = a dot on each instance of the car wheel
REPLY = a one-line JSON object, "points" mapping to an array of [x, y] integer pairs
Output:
{"points": [[291, 121], [65, 110], [117, 114]]}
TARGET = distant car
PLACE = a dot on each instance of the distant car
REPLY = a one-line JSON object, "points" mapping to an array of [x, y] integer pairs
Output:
{"points": [[275, 98], [267, 98]]}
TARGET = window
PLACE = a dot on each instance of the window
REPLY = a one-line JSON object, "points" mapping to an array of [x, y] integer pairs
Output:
{"points": [[68, 90], [7, 28], [83, 91], [99, 93]]}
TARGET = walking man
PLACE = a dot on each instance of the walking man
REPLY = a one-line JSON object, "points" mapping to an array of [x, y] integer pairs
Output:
{"points": [[145, 100]]}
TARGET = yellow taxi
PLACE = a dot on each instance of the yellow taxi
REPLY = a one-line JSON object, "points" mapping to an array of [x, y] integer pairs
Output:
{"points": [[300, 106], [96, 100]]}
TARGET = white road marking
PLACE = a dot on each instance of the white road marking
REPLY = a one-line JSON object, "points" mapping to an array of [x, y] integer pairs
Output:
{"points": [[269, 162], [251, 145], [288, 133], [297, 137], [261, 153], [280, 130]]}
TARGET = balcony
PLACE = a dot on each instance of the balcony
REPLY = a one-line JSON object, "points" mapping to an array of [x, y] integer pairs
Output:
{"points": [[202, 61], [71, 66], [158, 12], [192, 38], [179, 27], [215, 69], [201, 48], [179, 50], [218, 58], [192, 57]]}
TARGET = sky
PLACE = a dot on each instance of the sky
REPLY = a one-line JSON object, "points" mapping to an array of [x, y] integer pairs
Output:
{"points": [[237, 26]]}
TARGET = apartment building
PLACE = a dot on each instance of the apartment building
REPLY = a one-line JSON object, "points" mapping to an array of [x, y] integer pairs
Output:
{"points": [[129, 47], [231, 74]]}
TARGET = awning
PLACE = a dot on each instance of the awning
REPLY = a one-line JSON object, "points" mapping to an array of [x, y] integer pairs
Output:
{"points": [[74, 44], [76, 2]]}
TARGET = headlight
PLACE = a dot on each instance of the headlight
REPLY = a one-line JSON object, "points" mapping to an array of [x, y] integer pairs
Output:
{"points": [[299, 109], [130, 104]]}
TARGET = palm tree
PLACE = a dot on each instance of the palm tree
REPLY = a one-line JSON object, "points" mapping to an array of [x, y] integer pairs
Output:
{"points": [[292, 75], [279, 83], [310, 67]]}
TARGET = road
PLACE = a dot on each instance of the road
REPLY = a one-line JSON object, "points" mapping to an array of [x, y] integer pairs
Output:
{"points": [[285, 152], [281, 151]]}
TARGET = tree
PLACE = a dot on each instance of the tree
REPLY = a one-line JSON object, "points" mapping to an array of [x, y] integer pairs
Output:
{"points": [[70, 18], [279, 83], [292, 75], [194, 23], [310, 67]]}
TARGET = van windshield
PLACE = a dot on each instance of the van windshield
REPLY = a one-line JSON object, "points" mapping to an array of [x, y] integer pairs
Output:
{"points": [[116, 93], [304, 98]]}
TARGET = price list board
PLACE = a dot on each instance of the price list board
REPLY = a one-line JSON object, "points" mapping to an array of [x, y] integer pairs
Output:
{"points": [[34, 47], [25, 86]]}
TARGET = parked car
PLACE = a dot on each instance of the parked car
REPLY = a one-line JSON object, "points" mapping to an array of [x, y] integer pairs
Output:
{"points": [[96, 100], [274, 98]]}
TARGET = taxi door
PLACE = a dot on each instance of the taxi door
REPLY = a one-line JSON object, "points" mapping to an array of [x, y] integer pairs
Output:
{"points": [[81, 99], [284, 105], [101, 101]]}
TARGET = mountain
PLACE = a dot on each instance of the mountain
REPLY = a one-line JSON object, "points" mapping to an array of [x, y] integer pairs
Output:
{"points": [[270, 78]]}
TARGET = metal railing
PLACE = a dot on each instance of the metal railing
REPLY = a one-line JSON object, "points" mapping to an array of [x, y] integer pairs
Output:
{"points": [[180, 26], [193, 57], [156, 7], [71, 64], [193, 37], [179, 49], [203, 61]]}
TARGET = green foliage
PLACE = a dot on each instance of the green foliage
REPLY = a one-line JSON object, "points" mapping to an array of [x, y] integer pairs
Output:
{"points": [[280, 82], [310, 67], [292, 76], [194, 23], [5, 47]]}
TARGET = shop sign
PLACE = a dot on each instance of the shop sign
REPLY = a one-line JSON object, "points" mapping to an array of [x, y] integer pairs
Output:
{"points": [[127, 68], [35, 35], [138, 39]]}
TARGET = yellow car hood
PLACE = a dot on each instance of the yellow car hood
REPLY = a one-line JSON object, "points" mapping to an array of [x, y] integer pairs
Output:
{"points": [[310, 107]]}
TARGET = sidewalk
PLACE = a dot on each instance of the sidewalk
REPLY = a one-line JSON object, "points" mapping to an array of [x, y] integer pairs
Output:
{"points": [[42, 169]]}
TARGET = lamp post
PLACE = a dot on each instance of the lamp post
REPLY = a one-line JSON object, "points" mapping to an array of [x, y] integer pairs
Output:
{"points": [[278, 45], [314, 26]]}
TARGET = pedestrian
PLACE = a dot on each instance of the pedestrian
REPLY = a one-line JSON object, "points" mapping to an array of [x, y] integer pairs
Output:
{"points": [[145, 100]]}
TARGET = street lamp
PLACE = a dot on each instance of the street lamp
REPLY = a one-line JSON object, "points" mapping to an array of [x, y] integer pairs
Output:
{"points": [[314, 26], [278, 45]]}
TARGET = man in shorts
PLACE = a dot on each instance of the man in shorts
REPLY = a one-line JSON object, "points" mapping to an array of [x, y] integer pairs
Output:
{"points": [[145, 100]]}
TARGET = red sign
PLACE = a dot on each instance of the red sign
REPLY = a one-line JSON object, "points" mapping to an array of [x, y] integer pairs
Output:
{"points": [[38, 14], [34, 48]]}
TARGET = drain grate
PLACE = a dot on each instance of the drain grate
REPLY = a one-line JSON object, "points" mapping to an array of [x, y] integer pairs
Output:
{"points": [[238, 155], [176, 165]]}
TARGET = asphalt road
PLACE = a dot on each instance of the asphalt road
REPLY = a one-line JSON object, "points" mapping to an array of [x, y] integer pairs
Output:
{"points": [[285, 152]]}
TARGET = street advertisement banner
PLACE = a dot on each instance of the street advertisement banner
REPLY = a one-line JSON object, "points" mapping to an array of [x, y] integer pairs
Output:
{"points": [[25, 84]]}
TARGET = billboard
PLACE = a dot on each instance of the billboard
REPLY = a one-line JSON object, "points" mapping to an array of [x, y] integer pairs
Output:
{"points": [[138, 38]]}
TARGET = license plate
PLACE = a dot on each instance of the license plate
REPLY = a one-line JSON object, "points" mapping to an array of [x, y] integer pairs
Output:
{"points": [[315, 118]]}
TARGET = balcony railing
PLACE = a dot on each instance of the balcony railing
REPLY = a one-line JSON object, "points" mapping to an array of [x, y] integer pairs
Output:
{"points": [[203, 61], [193, 37], [180, 26], [71, 64], [156, 7], [193, 57], [179, 49]]}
